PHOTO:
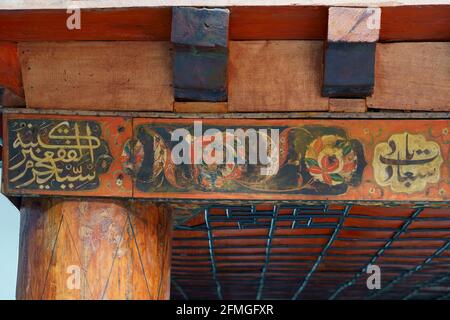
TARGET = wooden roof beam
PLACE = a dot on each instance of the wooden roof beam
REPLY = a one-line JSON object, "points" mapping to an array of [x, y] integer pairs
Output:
{"points": [[258, 22]]}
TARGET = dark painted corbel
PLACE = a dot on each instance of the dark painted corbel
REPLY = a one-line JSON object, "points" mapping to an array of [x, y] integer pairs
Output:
{"points": [[200, 38], [350, 52]]}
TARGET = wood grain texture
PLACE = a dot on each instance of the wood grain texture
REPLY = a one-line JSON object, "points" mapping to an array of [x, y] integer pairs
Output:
{"points": [[278, 23], [10, 74], [399, 23], [354, 24], [417, 23], [347, 105], [412, 76], [113, 24], [121, 249], [207, 107], [97, 75], [276, 76]]}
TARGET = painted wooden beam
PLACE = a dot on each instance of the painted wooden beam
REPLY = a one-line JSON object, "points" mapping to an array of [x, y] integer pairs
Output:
{"points": [[350, 53], [400, 23], [314, 159], [10, 73], [89, 152], [200, 38]]}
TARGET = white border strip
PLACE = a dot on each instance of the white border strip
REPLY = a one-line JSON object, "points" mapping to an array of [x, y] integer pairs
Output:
{"points": [[97, 4]]}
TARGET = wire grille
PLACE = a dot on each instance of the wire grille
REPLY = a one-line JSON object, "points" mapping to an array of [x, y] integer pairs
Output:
{"points": [[312, 252]]}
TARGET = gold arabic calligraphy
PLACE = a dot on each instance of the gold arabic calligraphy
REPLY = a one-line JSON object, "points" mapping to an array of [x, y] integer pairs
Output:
{"points": [[407, 162], [47, 154]]}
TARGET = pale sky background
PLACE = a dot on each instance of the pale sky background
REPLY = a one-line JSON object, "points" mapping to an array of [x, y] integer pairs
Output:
{"points": [[9, 244]]}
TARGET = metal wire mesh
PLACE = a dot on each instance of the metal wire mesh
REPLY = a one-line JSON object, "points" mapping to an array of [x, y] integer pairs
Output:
{"points": [[312, 252]]}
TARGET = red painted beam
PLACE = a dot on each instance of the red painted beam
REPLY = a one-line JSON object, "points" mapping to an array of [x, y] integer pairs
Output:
{"points": [[403, 23], [10, 74]]}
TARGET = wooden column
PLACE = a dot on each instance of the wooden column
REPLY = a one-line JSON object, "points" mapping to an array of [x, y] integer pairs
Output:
{"points": [[94, 249]]}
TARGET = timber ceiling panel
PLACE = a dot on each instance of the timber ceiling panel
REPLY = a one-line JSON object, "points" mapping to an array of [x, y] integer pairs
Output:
{"points": [[312, 252]]}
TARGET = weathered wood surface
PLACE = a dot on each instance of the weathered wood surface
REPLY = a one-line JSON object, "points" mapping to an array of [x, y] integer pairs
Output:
{"points": [[200, 62], [275, 76], [200, 74], [422, 23], [10, 74], [349, 69], [347, 105], [66, 155], [9, 99], [200, 26], [207, 107], [402, 23], [115, 24], [328, 159], [412, 76], [350, 52], [282, 76], [354, 24], [94, 249], [97, 75]]}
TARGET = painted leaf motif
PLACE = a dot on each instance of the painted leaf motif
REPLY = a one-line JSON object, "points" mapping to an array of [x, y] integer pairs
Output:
{"points": [[347, 149], [336, 177], [311, 162]]}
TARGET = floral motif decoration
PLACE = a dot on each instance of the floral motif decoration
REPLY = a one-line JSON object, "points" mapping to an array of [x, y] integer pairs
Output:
{"points": [[330, 159], [210, 174]]}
